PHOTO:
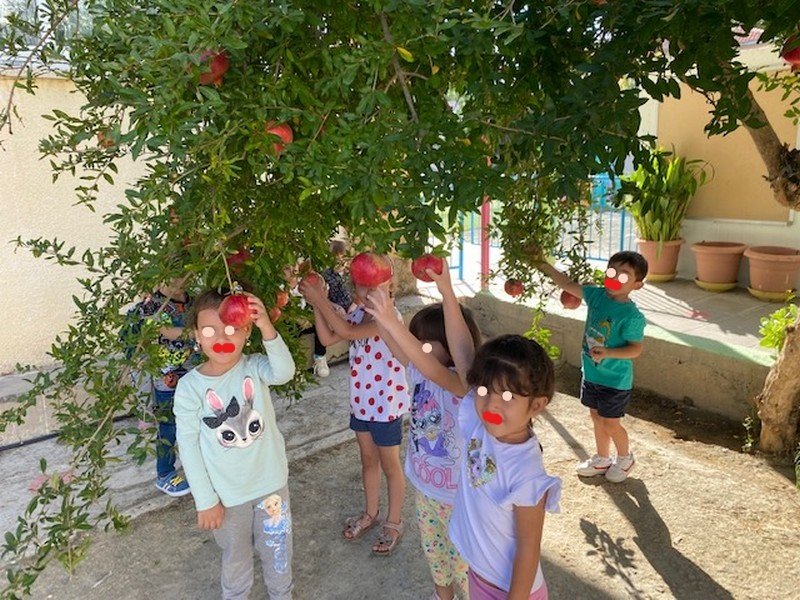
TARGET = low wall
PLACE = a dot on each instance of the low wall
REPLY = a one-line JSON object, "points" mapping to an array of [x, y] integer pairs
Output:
{"points": [[709, 375]]}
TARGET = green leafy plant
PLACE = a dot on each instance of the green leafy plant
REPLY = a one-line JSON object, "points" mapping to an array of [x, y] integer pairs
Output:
{"points": [[659, 192], [540, 334], [775, 325]]}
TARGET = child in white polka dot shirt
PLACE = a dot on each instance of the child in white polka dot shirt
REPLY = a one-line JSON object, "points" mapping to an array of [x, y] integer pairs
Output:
{"points": [[379, 397]]}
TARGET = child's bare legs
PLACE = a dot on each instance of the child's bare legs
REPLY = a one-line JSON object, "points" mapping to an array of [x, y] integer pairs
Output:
{"points": [[370, 475], [617, 433], [396, 483], [602, 439]]}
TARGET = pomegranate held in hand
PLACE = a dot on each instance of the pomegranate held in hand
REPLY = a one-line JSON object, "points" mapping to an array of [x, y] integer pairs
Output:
{"points": [[312, 279], [513, 287], [235, 310], [281, 299], [569, 301], [426, 261], [370, 270]]}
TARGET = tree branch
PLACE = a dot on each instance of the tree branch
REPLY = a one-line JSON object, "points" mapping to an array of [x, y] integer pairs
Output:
{"points": [[387, 35]]}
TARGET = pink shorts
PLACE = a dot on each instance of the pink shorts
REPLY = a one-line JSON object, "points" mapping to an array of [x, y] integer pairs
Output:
{"points": [[482, 590]]}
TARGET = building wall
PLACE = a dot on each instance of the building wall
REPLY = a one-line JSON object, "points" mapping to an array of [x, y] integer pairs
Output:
{"points": [[37, 294], [738, 204]]}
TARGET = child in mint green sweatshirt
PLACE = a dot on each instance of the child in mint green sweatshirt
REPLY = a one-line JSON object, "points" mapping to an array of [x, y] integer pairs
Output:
{"points": [[232, 452]]}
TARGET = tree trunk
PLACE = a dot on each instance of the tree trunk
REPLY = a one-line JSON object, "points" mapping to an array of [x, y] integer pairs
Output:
{"points": [[779, 401], [783, 164]]}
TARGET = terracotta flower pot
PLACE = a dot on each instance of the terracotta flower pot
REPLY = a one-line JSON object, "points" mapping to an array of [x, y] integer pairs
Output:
{"points": [[773, 271], [661, 262], [717, 264]]}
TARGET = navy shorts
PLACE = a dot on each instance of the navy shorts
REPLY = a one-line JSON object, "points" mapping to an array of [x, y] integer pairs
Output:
{"points": [[609, 402], [383, 433]]}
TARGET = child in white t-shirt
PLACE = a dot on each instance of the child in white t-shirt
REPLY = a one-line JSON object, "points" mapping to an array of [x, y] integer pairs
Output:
{"points": [[432, 462], [504, 491]]}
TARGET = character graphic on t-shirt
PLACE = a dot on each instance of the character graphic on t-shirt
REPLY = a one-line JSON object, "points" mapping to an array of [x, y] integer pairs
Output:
{"points": [[480, 465], [597, 336], [236, 426], [426, 429], [277, 529]]}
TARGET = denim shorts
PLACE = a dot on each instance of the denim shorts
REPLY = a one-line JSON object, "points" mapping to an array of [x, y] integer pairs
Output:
{"points": [[383, 433], [609, 402]]}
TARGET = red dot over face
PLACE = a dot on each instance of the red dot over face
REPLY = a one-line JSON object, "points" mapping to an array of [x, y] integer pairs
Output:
{"points": [[368, 386], [372, 402], [357, 399], [378, 356], [358, 384], [368, 348], [363, 412], [380, 392], [391, 417], [378, 377], [353, 373], [358, 360], [380, 409], [376, 338], [400, 405], [397, 369], [389, 364], [369, 367], [389, 383], [400, 388]]}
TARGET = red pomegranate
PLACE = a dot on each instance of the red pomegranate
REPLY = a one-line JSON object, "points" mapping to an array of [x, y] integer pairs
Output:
{"points": [[281, 130], [514, 287], [569, 301], [235, 310], [426, 261], [370, 270], [217, 62], [791, 51]]}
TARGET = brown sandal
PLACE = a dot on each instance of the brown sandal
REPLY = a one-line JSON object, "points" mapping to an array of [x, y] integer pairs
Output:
{"points": [[386, 539], [359, 525]]}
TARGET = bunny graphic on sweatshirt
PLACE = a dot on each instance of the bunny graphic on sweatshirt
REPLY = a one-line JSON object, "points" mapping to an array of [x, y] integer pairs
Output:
{"points": [[237, 426]]}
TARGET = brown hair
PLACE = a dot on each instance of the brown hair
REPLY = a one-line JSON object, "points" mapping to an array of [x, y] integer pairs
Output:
{"points": [[514, 363], [428, 324]]}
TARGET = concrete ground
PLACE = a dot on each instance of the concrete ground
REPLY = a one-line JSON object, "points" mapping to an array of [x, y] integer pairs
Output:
{"points": [[696, 520]]}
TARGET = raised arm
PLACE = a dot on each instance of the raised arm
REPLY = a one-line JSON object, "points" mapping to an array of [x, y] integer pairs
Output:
{"points": [[459, 339], [324, 332], [315, 295], [560, 279], [383, 311]]}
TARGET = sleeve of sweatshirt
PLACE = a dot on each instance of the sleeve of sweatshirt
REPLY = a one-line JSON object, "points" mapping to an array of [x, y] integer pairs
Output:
{"points": [[186, 407], [277, 367]]}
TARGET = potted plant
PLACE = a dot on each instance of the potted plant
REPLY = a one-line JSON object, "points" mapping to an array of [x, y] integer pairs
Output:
{"points": [[717, 264], [657, 195], [773, 271]]}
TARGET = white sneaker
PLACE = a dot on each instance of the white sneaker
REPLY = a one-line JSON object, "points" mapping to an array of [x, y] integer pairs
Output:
{"points": [[597, 465], [619, 471], [321, 368]]}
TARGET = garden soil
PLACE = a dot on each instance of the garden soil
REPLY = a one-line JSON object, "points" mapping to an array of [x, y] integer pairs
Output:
{"points": [[697, 519]]}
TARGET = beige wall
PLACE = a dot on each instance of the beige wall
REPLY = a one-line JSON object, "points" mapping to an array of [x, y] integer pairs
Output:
{"points": [[36, 294], [739, 190]]}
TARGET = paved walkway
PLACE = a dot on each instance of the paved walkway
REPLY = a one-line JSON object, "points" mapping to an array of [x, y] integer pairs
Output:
{"points": [[678, 306]]}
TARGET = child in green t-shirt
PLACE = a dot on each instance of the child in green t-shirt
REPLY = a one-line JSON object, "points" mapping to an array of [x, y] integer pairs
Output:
{"points": [[612, 339]]}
